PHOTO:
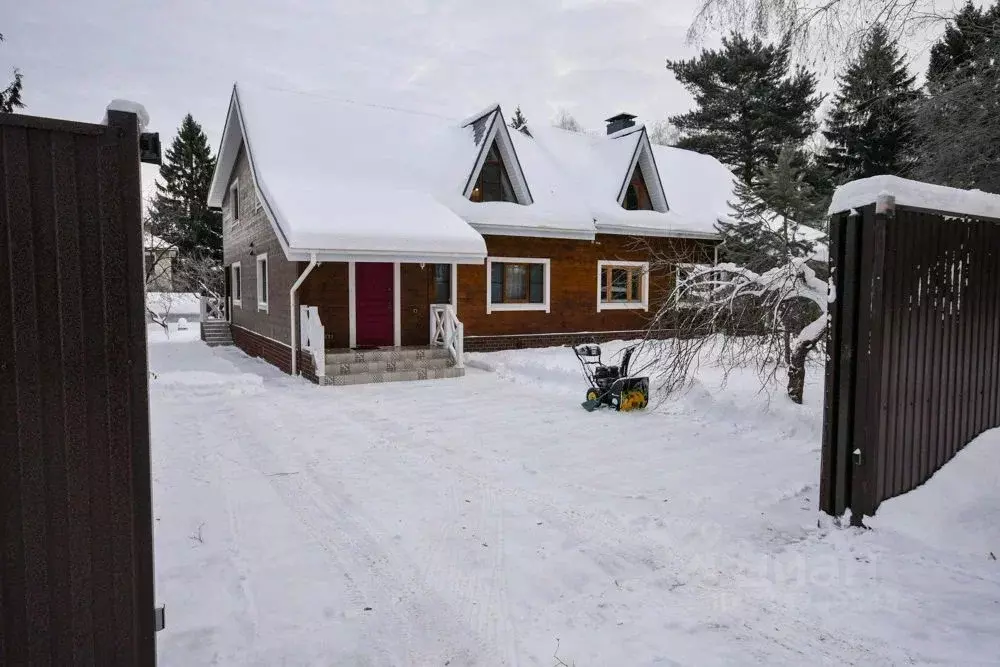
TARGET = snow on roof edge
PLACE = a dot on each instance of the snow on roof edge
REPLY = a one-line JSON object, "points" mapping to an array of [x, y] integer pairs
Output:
{"points": [[469, 120], [915, 194]]}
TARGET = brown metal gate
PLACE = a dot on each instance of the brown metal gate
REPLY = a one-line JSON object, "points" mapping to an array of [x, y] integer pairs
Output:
{"points": [[914, 350], [76, 572]]}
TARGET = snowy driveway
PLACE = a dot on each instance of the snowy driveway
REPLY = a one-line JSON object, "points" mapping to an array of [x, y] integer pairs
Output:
{"points": [[491, 521]]}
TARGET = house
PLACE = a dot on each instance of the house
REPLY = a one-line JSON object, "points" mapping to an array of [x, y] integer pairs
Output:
{"points": [[158, 263], [357, 235]]}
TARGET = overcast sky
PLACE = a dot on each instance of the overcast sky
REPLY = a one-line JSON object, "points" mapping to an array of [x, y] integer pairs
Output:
{"points": [[591, 57]]}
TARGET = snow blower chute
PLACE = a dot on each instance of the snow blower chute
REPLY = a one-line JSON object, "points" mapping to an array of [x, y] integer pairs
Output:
{"points": [[611, 386]]}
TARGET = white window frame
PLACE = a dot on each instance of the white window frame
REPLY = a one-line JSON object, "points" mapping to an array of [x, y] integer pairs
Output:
{"points": [[622, 305], [234, 201], [237, 283], [547, 287], [262, 298]]}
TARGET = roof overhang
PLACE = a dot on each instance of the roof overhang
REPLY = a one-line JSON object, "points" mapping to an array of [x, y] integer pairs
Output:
{"points": [[633, 230], [299, 255]]}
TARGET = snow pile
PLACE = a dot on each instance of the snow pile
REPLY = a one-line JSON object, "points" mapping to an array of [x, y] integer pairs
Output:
{"points": [[128, 106], [914, 194], [174, 303]]}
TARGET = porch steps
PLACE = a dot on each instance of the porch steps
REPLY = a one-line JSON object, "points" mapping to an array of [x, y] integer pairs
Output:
{"points": [[389, 365], [216, 333]]}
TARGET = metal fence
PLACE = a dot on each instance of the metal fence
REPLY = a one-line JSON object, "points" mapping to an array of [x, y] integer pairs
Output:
{"points": [[914, 349], [76, 570]]}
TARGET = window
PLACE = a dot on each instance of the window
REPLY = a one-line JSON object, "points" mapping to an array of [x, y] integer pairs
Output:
{"points": [[637, 194], [493, 183], [237, 287], [234, 200], [517, 284], [622, 285], [262, 282], [442, 283]]}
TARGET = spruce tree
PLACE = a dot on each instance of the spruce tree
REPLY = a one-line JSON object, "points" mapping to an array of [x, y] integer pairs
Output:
{"points": [[749, 100], [871, 127], [519, 122], [969, 30], [10, 97], [180, 212]]}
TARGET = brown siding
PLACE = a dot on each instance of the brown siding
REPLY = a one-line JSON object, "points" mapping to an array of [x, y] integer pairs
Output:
{"points": [[326, 288], [414, 303], [573, 306], [255, 228], [267, 349], [913, 340], [76, 570]]}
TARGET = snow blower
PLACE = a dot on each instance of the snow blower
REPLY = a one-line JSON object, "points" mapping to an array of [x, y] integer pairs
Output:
{"points": [[611, 386]]}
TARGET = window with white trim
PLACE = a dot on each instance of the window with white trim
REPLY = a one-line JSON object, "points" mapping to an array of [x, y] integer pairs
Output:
{"points": [[234, 200], [622, 285], [236, 275], [517, 283], [262, 282]]}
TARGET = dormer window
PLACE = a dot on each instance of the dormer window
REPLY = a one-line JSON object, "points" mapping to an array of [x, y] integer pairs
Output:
{"points": [[493, 183], [637, 194]]}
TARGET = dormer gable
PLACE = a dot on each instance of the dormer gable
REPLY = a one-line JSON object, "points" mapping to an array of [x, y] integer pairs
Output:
{"points": [[641, 189], [497, 174]]}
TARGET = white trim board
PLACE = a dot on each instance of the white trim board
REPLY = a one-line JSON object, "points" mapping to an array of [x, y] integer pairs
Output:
{"points": [[352, 307], [621, 305], [397, 331], [263, 299], [546, 304], [236, 285]]}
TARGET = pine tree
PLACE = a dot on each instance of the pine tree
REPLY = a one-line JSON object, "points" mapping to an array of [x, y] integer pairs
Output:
{"points": [[519, 122], [750, 101], [180, 212], [964, 36], [763, 231], [958, 120], [10, 97], [871, 127]]}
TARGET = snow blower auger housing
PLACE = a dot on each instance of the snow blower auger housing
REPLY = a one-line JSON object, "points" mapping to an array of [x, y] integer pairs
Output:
{"points": [[611, 386]]}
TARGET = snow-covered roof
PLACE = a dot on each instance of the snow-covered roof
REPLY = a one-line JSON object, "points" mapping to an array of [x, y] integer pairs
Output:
{"points": [[338, 176], [151, 242], [914, 194]]}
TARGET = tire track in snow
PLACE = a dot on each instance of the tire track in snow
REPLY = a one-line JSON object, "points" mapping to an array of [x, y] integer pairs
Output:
{"points": [[382, 580]]}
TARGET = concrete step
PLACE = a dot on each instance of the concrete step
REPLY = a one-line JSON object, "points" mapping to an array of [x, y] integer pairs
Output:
{"points": [[397, 376], [382, 355], [356, 367]]}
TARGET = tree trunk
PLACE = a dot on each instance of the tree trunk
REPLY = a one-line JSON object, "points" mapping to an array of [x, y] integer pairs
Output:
{"points": [[797, 370]]}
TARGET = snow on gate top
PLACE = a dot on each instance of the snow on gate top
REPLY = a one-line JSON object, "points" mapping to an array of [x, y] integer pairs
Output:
{"points": [[971, 203]]}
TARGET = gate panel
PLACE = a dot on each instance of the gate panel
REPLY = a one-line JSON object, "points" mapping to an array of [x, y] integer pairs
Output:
{"points": [[914, 350], [76, 578]]}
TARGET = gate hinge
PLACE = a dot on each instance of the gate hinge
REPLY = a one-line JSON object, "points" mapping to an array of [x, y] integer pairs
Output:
{"points": [[857, 456], [159, 619]]}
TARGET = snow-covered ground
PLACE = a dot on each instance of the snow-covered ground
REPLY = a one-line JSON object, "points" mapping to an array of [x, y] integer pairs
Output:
{"points": [[491, 521]]}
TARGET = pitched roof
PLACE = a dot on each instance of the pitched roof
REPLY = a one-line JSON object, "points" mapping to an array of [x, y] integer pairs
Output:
{"points": [[363, 179]]}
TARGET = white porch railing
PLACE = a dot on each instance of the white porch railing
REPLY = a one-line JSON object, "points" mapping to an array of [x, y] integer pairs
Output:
{"points": [[448, 332], [312, 337], [213, 308]]}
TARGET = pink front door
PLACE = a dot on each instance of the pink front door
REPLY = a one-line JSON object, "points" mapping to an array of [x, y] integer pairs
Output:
{"points": [[373, 304]]}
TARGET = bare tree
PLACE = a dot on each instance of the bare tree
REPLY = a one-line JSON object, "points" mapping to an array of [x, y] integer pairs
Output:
{"points": [[735, 317], [828, 26], [565, 121], [664, 133]]}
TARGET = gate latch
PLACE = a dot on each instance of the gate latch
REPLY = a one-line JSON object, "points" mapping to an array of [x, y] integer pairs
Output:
{"points": [[857, 456]]}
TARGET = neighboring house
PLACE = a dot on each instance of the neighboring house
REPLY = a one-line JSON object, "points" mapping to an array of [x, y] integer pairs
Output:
{"points": [[158, 263], [378, 216]]}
